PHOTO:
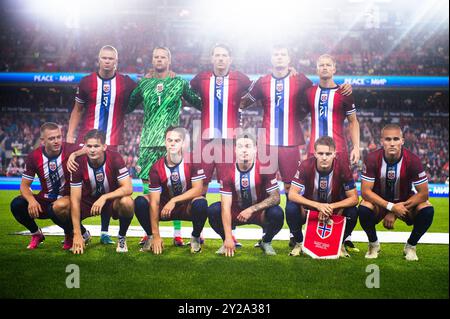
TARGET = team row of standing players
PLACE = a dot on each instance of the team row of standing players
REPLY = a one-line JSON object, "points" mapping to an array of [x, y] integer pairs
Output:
{"points": [[285, 95]]}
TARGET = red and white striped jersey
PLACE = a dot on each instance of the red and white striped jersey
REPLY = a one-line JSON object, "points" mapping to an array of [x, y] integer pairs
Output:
{"points": [[105, 102], [329, 109], [173, 181], [221, 97], [51, 171], [101, 180], [394, 182], [246, 187], [281, 98]]}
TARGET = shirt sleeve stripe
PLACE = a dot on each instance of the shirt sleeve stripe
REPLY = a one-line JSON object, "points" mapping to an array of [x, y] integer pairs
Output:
{"points": [[350, 112], [368, 179], [298, 184], [226, 193], [28, 177], [79, 100], [75, 184], [123, 176], [197, 178], [422, 181], [154, 190], [273, 188]]}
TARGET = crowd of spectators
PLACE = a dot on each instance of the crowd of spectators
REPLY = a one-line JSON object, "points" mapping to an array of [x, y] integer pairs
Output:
{"points": [[30, 47]]}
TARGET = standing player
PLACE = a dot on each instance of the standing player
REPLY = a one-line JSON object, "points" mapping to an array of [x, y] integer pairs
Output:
{"points": [[221, 91], [329, 108], [48, 162], [387, 192], [101, 103], [161, 98], [248, 196], [175, 193], [325, 184], [100, 185]]}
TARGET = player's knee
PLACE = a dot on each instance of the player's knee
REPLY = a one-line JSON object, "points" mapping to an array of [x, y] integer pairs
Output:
{"points": [[365, 214], [275, 214], [367, 204], [61, 208], [200, 206], [126, 206], [423, 205], [292, 210], [351, 213], [426, 212], [214, 211], [18, 206], [141, 205]]}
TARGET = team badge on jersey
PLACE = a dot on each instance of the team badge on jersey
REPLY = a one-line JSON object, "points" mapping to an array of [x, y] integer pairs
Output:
{"points": [[391, 174], [324, 229], [175, 176], [245, 182], [219, 80], [99, 177], [159, 87], [323, 184], [279, 86], [324, 97], [106, 87], [52, 166]]}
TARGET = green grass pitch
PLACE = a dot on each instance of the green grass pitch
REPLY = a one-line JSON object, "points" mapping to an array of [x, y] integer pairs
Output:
{"points": [[178, 274]]}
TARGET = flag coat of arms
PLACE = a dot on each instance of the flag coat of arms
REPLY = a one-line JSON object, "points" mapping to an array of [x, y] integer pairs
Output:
{"points": [[323, 240]]}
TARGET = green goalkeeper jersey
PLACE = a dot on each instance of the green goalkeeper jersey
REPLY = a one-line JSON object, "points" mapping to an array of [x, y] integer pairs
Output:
{"points": [[161, 99]]}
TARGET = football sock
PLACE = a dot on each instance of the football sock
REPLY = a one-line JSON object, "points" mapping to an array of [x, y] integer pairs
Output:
{"points": [[19, 209], [367, 219], [422, 222], [105, 218], [177, 228], [142, 212], [274, 223], [351, 215], [199, 212], [215, 219], [294, 220]]}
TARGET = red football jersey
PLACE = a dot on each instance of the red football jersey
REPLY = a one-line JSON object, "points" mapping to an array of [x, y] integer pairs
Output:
{"points": [[101, 180], [221, 97], [173, 181], [320, 187], [105, 102], [246, 187], [281, 99], [329, 109], [394, 182], [51, 171]]}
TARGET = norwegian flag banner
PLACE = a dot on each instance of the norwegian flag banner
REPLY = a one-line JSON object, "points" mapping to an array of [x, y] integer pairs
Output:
{"points": [[323, 240]]}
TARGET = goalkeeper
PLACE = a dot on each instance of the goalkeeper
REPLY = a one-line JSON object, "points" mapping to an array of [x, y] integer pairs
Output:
{"points": [[160, 96]]}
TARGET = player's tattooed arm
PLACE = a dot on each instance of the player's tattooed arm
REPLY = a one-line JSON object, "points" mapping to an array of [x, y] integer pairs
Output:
{"points": [[272, 200]]}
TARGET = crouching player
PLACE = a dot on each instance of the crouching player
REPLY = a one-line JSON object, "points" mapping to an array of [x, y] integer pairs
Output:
{"points": [[248, 196], [175, 185], [323, 183], [49, 163], [101, 184], [387, 193]]}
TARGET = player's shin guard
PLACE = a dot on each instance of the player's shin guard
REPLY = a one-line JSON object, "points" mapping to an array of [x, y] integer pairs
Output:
{"points": [[422, 222], [215, 219], [19, 209], [105, 219], [295, 220], [199, 212], [142, 212], [351, 215], [124, 223], [367, 219], [274, 223]]}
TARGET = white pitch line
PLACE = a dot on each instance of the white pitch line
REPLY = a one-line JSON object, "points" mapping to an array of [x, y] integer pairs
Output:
{"points": [[251, 233]]}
